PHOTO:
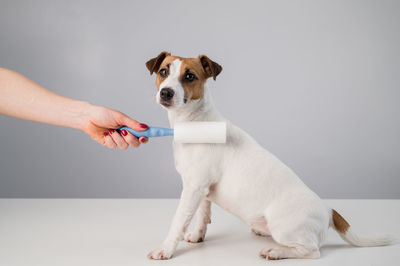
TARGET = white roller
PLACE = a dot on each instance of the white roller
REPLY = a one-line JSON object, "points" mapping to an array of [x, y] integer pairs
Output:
{"points": [[200, 132]]}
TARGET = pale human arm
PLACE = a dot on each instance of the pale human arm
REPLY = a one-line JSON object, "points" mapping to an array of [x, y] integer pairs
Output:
{"points": [[22, 98]]}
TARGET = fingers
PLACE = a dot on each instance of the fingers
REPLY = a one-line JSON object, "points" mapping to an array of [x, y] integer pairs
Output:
{"points": [[129, 122], [108, 141], [143, 140], [130, 139], [118, 139], [123, 140]]}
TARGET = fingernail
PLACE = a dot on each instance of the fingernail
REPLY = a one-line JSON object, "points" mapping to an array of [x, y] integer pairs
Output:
{"points": [[123, 132], [105, 134], [144, 126], [142, 140], [111, 131]]}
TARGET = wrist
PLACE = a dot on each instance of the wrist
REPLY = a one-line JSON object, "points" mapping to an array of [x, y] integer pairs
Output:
{"points": [[84, 110]]}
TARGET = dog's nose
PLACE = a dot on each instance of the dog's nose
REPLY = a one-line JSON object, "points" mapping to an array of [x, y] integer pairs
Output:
{"points": [[166, 94]]}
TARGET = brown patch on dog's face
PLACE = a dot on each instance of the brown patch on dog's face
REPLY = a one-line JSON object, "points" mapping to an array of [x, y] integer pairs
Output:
{"points": [[193, 73], [164, 70], [153, 65], [193, 78]]}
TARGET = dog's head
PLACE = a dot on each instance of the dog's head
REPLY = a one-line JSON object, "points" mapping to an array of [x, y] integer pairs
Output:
{"points": [[181, 80]]}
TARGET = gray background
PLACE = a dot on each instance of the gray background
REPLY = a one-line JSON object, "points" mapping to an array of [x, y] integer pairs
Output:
{"points": [[315, 82]]}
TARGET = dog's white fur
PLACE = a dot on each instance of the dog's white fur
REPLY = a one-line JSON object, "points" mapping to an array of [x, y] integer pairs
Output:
{"points": [[247, 181]]}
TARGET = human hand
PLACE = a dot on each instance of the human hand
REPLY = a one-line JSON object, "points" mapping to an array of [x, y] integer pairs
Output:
{"points": [[100, 124]]}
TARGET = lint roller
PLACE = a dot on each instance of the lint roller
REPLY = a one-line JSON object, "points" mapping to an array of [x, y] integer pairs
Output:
{"points": [[187, 132]]}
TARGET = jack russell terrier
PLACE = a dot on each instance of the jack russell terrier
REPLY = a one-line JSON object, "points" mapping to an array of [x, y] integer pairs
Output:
{"points": [[240, 175]]}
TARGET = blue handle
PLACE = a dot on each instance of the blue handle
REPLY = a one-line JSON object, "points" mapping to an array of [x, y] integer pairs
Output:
{"points": [[150, 132]]}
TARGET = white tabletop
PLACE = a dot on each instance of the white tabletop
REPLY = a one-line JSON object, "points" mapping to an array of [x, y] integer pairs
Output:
{"points": [[117, 232]]}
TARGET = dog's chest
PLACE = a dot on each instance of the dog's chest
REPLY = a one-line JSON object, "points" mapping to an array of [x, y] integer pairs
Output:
{"points": [[196, 159]]}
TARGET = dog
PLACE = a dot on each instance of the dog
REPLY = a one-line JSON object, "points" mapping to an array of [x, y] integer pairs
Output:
{"points": [[240, 175]]}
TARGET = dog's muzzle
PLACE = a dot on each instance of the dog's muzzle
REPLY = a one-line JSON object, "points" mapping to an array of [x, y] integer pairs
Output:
{"points": [[166, 95]]}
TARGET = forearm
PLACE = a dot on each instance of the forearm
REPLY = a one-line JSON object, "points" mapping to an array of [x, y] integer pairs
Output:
{"points": [[25, 99]]}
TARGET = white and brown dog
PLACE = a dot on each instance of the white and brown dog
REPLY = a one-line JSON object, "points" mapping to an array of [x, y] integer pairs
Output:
{"points": [[239, 176]]}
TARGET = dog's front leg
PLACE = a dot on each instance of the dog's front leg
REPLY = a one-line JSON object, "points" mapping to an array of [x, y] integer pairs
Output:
{"points": [[188, 204], [203, 216]]}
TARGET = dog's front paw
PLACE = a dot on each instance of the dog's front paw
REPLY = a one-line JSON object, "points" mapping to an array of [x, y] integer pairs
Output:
{"points": [[161, 253], [196, 236]]}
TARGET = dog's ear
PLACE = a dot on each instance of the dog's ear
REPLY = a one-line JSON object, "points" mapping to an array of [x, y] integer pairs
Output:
{"points": [[154, 64], [211, 68]]}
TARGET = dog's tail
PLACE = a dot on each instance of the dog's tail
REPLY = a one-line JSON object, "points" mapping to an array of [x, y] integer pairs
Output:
{"points": [[343, 228]]}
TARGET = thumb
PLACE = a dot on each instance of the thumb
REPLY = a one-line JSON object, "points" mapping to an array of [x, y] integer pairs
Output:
{"points": [[129, 122]]}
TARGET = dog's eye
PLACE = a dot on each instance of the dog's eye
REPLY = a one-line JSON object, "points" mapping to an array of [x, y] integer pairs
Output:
{"points": [[163, 72], [189, 77]]}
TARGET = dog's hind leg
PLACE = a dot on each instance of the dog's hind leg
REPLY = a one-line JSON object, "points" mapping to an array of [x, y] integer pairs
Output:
{"points": [[295, 242], [297, 238], [203, 217]]}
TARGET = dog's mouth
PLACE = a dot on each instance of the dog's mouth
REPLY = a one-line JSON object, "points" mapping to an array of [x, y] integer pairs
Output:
{"points": [[166, 104], [171, 103]]}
